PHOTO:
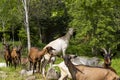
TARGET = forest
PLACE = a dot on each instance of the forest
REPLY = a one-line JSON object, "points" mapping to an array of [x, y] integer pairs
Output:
{"points": [[37, 22]]}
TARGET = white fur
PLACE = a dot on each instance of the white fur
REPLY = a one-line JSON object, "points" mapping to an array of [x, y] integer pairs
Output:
{"points": [[60, 45], [76, 61]]}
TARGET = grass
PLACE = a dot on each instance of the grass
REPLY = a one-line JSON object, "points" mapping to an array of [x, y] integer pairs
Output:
{"points": [[116, 65], [14, 74]]}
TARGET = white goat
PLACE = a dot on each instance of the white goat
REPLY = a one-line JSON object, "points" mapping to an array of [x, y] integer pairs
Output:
{"points": [[63, 71], [60, 45]]}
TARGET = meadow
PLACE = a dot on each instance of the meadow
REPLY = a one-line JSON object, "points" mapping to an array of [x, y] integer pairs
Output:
{"points": [[10, 73], [14, 74]]}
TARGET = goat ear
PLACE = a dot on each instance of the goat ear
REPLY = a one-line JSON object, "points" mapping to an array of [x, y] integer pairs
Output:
{"points": [[112, 55], [102, 53]]}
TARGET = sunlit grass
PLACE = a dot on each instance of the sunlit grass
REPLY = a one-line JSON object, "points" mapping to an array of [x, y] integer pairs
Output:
{"points": [[14, 74], [116, 65]]}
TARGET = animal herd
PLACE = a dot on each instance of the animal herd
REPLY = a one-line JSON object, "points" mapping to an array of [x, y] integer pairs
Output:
{"points": [[12, 57], [38, 60]]}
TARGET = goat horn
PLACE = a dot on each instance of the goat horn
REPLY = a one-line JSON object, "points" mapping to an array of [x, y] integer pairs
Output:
{"points": [[109, 50], [104, 50]]}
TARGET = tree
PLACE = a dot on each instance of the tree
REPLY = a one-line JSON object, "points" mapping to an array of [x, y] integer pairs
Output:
{"points": [[9, 18], [48, 19], [25, 5], [95, 22]]}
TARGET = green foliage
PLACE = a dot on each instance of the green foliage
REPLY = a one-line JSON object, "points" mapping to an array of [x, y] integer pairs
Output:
{"points": [[22, 35], [95, 22]]}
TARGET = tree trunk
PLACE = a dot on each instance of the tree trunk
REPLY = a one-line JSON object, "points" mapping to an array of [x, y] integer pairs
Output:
{"points": [[27, 23], [3, 25]]}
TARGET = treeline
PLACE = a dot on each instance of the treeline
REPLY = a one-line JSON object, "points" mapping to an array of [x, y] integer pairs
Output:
{"points": [[97, 23]]}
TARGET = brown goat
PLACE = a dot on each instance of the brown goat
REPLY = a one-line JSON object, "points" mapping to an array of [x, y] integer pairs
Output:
{"points": [[19, 48], [14, 56], [82, 72], [35, 56], [107, 59], [7, 54]]}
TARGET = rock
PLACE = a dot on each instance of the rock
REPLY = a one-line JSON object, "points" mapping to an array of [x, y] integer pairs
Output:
{"points": [[3, 74], [94, 61], [52, 74], [3, 65], [24, 72], [31, 78]]}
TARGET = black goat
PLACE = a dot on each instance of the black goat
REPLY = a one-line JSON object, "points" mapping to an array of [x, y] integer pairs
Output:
{"points": [[108, 58]]}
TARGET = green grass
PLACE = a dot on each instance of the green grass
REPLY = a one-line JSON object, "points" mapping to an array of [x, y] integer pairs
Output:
{"points": [[116, 65], [14, 74]]}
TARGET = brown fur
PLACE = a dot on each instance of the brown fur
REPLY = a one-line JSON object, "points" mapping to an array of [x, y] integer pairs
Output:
{"points": [[109, 67], [7, 54], [82, 72], [14, 56], [36, 55], [19, 53]]}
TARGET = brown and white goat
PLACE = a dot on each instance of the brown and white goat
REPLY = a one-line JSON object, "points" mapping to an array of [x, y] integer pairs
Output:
{"points": [[36, 55], [82, 72], [15, 57], [108, 58], [7, 54]]}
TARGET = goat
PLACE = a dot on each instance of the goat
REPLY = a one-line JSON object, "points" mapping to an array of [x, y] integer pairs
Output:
{"points": [[7, 54], [24, 60], [107, 59], [83, 72], [63, 70], [15, 57], [19, 48], [35, 56], [76, 60], [60, 45]]}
